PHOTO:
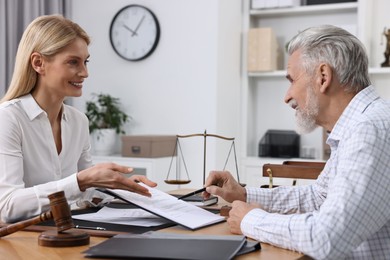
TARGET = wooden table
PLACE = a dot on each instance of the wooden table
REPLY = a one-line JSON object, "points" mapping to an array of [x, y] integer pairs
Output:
{"points": [[24, 244]]}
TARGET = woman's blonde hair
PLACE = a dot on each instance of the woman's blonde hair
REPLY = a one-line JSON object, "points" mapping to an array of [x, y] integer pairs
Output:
{"points": [[47, 35]]}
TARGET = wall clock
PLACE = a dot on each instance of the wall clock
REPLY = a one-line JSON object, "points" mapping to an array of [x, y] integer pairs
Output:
{"points": [[134, 32]]}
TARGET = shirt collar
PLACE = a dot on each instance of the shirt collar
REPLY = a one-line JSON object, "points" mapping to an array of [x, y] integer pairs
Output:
{"points": [[33, 110], [356, 107]]}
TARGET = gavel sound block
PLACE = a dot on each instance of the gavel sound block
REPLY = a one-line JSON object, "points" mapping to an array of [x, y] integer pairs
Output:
{"points": [[60, 213], [225, 211]]}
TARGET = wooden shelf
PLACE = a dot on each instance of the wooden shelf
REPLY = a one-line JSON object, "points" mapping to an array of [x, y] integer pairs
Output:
{"points": [[268, 74], [282, 73], [379, 71], [306, 9]]}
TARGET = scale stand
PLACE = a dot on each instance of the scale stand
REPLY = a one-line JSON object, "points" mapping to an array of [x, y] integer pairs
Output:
{"points": [[179, 150]]}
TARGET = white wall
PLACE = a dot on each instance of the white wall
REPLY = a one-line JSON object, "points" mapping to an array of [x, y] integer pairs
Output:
{"points": [[190, 83]]}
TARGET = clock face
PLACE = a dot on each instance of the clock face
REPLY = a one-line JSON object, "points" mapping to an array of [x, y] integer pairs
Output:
{"points": [[134, 32]]}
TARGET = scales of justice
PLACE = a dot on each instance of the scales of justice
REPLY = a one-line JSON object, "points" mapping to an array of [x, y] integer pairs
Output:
{"points": [[180, 158]]}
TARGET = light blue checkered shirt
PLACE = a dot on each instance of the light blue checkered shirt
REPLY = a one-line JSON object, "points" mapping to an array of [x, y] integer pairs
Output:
{"points": [[346, 212]]}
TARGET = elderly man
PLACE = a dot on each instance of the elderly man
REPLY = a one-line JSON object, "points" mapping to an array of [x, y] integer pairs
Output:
{"points": [[345, 213]]}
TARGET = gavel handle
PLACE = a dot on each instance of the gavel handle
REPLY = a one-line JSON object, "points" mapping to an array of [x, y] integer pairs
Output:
{"points": [[12, 228]]}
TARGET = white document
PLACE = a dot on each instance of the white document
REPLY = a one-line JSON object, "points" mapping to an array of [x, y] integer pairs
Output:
{"points": [[169, 207], [133, 217]]}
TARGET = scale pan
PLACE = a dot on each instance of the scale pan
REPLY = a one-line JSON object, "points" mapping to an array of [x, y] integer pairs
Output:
{"points": [[177, 181]]}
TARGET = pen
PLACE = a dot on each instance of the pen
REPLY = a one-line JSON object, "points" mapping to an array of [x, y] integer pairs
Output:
{"points": [[192, 193], [94, 228]]}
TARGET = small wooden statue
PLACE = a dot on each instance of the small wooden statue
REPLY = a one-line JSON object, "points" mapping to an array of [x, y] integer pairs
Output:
{"points": [[386, 63]]}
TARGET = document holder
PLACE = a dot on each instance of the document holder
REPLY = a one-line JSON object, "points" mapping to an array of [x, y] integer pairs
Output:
{"points": [[155, 245]]}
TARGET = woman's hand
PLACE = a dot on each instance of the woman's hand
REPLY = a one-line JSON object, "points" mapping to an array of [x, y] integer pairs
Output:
{"points": [[222, 183], [110, 175]]}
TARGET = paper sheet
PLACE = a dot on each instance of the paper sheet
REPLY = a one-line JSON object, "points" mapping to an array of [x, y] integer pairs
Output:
{"points": [[169, 207], [133, 217]]}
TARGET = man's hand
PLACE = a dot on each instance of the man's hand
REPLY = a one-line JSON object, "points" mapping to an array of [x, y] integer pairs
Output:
{"points": [[222, 183], [237, 213]]}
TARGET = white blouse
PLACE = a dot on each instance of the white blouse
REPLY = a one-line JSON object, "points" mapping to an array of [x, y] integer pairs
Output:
{"points": [[30, 167]]}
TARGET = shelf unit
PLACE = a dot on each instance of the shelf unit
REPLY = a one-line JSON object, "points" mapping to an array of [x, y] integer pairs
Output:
{"points": [[262, 93]]}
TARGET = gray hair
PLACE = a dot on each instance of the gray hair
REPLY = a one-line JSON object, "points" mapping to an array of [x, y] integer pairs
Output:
{"points": [[340, 49]]}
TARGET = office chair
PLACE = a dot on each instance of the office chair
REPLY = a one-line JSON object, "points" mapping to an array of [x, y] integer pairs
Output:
{"points": [[292, 169], [288, 169]]}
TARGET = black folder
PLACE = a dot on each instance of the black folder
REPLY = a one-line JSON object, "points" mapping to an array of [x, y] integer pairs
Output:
{"points": [[158, 245], [111, 229]]}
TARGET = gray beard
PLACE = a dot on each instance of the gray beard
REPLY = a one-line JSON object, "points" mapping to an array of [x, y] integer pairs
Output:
{"points": [[306, 119], [304, 123]]}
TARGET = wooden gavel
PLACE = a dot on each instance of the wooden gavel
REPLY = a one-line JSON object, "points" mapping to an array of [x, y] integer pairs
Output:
{"points": [[60, 212]]}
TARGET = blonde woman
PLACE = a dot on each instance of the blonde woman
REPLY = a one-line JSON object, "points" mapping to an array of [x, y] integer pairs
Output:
{"points": [[44, 143]]}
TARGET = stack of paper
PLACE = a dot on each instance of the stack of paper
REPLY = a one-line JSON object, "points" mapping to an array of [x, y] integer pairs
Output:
{"points": [[123, 216], [168, 207]]}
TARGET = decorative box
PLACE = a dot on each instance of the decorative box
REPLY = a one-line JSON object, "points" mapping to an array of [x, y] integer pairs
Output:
{"points": [[262, 50], [148, 146]]}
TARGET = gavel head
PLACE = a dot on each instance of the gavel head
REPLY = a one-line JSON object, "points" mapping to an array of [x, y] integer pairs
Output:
{"points": [[60, 211]]}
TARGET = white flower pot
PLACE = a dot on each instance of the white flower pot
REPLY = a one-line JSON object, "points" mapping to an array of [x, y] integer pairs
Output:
{"points": [[103, 141]]}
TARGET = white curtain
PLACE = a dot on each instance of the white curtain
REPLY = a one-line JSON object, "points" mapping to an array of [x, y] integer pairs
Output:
{"points": [[15, 15]]}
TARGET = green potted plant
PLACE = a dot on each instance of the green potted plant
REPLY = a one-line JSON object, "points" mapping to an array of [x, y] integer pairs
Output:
{"points": [[106, 120]]}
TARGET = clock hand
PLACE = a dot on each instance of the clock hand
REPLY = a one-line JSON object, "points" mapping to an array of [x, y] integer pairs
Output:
{"points": [[133, 32], [139, 24]]}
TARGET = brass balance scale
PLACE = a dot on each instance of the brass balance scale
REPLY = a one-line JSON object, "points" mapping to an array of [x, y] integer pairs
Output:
{"points": [[179, 153]]}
